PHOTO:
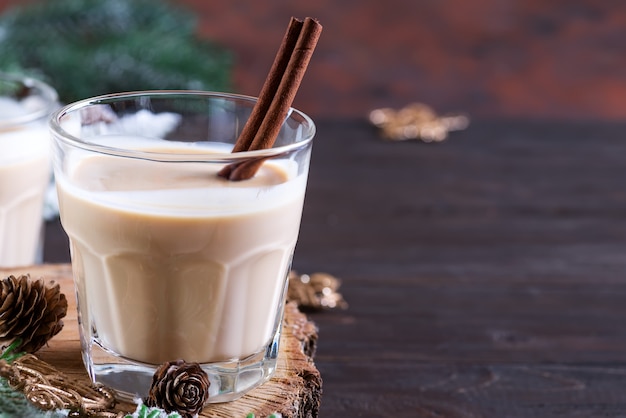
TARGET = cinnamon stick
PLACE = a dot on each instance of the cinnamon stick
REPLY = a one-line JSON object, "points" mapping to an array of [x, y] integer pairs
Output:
{"points": [[268, 91], [277, 95]]}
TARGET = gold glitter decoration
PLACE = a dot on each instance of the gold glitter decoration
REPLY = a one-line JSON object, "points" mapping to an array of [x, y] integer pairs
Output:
{"points": [[416, 121], [48, 389], [316, 291]]}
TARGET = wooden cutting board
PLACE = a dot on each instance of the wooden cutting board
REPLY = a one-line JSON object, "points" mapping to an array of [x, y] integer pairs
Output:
{"points": [[294, 390]]}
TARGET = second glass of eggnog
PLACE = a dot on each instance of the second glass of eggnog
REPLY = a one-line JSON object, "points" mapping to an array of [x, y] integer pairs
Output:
{"points": [[25, 106], [170, 260]]}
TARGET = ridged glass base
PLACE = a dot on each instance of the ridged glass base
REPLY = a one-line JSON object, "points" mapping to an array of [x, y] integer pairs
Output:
{"points": [[228, 380]]}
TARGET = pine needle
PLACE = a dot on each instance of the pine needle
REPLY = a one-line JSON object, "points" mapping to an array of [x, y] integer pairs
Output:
{"points": [[85, 48]]}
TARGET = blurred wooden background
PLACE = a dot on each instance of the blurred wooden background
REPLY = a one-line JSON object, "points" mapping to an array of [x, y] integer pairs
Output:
{"points": [[522, 58]]}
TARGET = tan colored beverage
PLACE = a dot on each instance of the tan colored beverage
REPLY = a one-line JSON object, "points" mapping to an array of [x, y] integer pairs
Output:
{"points": [[170, 260], [25, 171], [199, 285], [23, 182]]}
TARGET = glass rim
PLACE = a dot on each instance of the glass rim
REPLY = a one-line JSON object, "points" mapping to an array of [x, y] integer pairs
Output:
{"points": [[43, 90], [62, 135]]}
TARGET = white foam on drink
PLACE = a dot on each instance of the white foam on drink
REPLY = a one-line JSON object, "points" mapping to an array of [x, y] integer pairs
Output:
{"points": [[23, 142], [189, 189], [10, 109]]}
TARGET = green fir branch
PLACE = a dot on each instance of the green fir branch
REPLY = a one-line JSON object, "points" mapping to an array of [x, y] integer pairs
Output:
{"points": [[10, 353], [144, 411], [89, 47]]}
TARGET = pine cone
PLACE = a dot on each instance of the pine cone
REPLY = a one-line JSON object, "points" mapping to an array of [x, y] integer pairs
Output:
{"points": [[31, 311], [180, 387]]}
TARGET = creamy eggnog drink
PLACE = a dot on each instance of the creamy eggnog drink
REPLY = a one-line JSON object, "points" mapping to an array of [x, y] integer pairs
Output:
{"points": [[24, 167], [196, 279], [170, 260]]}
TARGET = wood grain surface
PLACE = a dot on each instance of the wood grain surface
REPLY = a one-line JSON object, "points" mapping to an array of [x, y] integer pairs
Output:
{"points": [[485, 275], [294, 390]]}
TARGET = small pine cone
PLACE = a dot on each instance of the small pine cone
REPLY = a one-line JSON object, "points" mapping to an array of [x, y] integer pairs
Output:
{"points": [[31, 311], [180, 387]]}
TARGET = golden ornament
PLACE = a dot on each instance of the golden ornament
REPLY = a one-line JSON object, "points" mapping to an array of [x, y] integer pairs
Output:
{"points": [[416, 121], [316, 291], [48, 389]]}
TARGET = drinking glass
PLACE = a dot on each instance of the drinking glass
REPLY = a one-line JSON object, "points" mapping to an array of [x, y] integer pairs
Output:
{"points": [[170, 260], [25, 173]]}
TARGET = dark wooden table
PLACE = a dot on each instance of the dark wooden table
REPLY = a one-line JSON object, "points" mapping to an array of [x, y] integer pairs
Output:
{"points": [[486, 275]]}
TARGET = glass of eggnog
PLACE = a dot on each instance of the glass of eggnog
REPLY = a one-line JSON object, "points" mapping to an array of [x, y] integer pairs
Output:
{"points": [[170, 260], [25, 105]]}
